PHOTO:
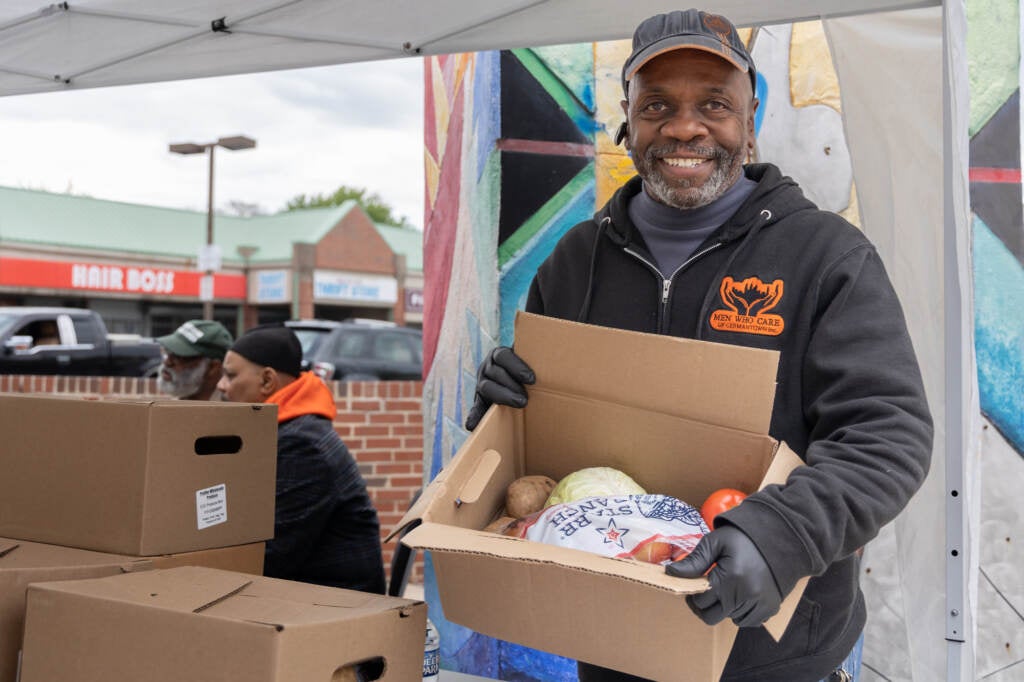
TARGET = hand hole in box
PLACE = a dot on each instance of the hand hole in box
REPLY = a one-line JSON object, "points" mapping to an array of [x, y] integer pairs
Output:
{"points": [[218, 445], [363, 671]]}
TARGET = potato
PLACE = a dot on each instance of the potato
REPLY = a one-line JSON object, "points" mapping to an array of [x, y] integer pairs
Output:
{"points": [[527, 495]]}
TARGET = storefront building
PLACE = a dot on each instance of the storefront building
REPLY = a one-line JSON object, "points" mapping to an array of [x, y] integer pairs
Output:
{"points": [[138, 266]]}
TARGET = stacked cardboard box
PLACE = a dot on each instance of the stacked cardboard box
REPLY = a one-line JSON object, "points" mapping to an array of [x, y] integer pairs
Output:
{"points": [[132, 548], [22, 563], [137, 477], [95, 489], [681, 417], [195, 623]]}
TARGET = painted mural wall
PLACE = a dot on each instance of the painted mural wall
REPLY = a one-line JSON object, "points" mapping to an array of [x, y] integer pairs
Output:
{"points": [[993, 40], [519, 148], [510, 157]]}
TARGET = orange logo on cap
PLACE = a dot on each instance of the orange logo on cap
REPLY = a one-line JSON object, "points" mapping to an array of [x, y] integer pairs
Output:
{"points": [[718, 25], [749, 301]]}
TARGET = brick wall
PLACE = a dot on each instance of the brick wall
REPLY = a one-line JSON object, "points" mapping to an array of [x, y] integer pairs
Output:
{"points": [[381, 422]]}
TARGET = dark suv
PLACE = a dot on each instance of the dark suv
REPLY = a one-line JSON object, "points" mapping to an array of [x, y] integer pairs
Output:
{"points": [[360, 350]]}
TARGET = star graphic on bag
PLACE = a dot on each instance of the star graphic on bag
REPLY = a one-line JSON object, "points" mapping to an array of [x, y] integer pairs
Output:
{"points": [[612, 533]]}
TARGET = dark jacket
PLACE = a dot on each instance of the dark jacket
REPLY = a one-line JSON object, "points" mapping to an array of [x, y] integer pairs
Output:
{"points": [[326, 529], [783, 275]]}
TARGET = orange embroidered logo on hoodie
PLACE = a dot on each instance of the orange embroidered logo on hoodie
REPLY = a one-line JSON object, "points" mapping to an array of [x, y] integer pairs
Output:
{"points": [[749, 302]]}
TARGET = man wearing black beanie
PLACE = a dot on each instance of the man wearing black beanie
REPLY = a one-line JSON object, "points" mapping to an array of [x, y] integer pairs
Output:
{"points": [[326, 529]]}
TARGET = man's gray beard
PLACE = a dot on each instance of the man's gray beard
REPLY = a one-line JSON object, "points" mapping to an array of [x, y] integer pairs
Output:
{"points": [[183, 383], [726, 172]]}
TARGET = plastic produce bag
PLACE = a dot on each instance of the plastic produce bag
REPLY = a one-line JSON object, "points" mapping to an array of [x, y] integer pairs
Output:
{"points": [[653, 528]]}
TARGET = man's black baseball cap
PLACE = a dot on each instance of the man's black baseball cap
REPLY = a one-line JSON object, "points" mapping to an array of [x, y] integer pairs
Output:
{"points": [[271, 345], [687, 29]]}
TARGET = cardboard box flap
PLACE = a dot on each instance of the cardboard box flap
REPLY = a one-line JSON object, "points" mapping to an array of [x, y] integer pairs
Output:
{"points": [[651, 371], [461, 482], [783, 464], [321, 595], [419, 508], [24, 554], [776, 625], [186, 589], [439, 537], [283, 613]]}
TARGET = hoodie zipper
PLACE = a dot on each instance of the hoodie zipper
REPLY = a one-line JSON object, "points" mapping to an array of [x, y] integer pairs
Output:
{"points": [[666, 283]]}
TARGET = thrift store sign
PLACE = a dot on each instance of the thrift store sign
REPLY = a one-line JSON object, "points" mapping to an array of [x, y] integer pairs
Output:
{"points": [[343, 286]]}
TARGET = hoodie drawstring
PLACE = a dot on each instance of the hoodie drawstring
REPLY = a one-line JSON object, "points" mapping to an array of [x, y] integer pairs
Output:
{"points": [[585, 307]]}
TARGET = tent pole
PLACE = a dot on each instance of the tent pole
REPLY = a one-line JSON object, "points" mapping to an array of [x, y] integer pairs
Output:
{"points": [[956, 542]]}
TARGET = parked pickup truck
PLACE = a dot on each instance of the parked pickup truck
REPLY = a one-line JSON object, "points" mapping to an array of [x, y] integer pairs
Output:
{"points": [[70, 341]]}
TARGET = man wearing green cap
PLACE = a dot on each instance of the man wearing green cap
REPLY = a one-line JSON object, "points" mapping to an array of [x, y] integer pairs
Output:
{"points": [[193, 356]]}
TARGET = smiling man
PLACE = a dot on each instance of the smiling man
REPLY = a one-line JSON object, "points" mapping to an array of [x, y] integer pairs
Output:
{"points": [[690, 127], [703, 245]]}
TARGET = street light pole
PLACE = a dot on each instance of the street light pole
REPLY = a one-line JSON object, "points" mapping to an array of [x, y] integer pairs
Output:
{"points": [[233, 143], [249, 317], [208, 304]]}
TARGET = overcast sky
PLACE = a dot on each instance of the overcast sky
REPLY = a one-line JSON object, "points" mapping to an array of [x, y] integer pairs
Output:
{"points": [[316, 129]]}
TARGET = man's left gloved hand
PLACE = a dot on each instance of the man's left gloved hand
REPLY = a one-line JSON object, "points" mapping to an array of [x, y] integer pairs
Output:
{"points": [[502, 379], [742, 585]]}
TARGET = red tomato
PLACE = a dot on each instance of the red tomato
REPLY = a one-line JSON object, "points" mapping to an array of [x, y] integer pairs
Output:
{"points": [[719, 501]]}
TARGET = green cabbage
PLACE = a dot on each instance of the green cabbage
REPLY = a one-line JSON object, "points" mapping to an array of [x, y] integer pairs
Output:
{"points": [[593, 482]]}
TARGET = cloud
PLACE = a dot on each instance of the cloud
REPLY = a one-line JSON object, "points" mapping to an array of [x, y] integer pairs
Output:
{"points": [[373, 94], [356, 124]]}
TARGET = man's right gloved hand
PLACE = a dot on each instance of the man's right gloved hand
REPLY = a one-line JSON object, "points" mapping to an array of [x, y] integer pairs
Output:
{"points": [[499, 380], [742, 585]]}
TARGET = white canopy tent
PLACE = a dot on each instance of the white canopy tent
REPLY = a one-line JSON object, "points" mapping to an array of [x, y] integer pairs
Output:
{"points": [[903, 75], [92, 43]]}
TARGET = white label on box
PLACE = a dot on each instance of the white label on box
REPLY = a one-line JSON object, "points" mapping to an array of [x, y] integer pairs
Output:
{"points": [[212, 506]]}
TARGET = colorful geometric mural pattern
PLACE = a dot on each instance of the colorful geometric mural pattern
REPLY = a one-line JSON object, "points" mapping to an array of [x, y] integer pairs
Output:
{"points": [[516, 129], [995, 177]]}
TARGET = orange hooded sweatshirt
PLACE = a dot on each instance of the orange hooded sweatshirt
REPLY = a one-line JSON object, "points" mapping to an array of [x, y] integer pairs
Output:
{"points": [[306, 395]]}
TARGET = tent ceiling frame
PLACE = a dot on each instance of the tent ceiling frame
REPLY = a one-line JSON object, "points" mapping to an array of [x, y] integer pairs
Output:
{"points": [[218, 25], [315, 38], [28, 18], [441, 40], [417, 48], [235, 25]]}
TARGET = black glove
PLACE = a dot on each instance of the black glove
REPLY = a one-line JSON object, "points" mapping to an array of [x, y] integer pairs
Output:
{"points": [[742, 585], [499, 380]]}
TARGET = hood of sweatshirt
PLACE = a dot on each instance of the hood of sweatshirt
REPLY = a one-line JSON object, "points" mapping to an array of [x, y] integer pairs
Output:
{"points": [[306, 395]]}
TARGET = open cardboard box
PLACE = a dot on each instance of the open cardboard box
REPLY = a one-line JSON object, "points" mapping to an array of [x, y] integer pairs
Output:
{"points": [[681, 417], [139, 477], [22, 563], [195, 623]]}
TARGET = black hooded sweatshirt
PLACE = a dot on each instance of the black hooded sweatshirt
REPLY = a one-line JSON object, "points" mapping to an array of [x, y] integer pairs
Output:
{"points": [[783, 275]]}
